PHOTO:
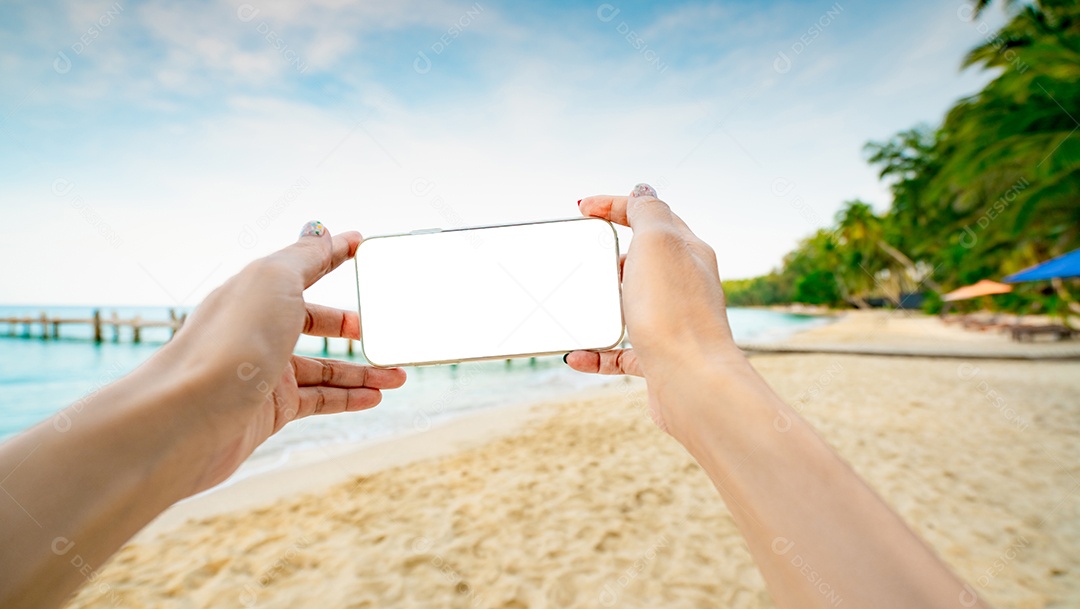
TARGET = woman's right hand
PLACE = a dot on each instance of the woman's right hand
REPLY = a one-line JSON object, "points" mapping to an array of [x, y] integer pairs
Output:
{"points": [[672, 301], [784, 486]]}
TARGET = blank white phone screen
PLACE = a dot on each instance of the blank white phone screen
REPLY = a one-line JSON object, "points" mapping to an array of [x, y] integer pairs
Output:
{"points": [[489, 292]]}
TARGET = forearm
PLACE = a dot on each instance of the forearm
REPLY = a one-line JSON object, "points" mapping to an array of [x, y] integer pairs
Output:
{"points": [[820, 535], [74, 493]]}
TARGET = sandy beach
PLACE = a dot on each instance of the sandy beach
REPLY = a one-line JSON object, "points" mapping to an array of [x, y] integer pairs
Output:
{"points": [[584, 503]]}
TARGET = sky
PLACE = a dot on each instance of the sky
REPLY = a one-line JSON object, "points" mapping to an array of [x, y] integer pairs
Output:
{"points": [[149, 150]]}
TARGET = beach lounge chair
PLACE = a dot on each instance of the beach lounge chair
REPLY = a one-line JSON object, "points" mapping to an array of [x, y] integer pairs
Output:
{"points": [[1021, 333], [983, 324]]}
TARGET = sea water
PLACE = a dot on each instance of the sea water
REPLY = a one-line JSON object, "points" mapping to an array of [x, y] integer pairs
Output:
{"points": [[40, 377]]}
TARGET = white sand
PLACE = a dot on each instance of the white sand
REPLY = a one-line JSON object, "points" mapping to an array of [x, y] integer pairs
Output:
{"points": [[586, 504]]}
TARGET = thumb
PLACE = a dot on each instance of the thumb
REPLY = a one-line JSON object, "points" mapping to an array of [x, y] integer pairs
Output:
{"points": [[316, 252], [645, 212]]}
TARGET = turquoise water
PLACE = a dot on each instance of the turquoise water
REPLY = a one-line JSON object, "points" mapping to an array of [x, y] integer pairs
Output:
{"points": [[39, 377]]}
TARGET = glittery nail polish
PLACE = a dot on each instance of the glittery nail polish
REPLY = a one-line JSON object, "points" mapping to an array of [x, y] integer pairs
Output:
{"points": [[643, 190], [313, 229]]}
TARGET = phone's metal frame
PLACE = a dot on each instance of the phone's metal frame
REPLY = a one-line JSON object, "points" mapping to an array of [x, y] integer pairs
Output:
{"points": [[415, 233]]}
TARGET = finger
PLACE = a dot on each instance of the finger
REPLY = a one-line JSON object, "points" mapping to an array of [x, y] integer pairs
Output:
{"points": [[316, 252], [332, 400], [314, 371], [328, 321], [642, 211], [612, 209], [615, 361], [343, 248]]}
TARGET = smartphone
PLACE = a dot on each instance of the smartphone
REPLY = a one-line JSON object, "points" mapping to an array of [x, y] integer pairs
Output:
{"points": [[490, 292]]}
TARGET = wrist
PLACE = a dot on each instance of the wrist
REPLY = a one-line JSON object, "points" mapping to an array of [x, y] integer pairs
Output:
{"points": [[216, 404], [720, 409]]}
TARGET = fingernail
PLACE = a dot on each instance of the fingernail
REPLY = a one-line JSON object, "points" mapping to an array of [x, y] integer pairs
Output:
{"points": [[643, 190], [564, 359], [579, 202], [313, 229]]}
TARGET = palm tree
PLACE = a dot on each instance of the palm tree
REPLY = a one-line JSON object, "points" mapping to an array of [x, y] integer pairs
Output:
{"points": [[908, 161], [872, 261], [1010, 155]]}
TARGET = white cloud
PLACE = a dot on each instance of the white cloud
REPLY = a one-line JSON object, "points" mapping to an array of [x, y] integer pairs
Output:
{"points": [[223, 130]]}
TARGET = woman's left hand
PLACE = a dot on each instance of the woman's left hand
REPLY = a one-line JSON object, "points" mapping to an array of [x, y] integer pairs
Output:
{"points": [[239, 342]]}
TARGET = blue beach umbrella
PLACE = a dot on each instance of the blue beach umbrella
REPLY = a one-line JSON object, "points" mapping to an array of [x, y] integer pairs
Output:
{"points": [[1067, 265]]}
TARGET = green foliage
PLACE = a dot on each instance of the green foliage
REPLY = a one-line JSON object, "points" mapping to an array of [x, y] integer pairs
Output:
{"points": [[994, 190], [818, 288], [754, 292]]}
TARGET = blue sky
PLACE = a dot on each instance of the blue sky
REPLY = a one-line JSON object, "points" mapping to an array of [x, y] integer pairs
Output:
{"points": [[149, 150]]}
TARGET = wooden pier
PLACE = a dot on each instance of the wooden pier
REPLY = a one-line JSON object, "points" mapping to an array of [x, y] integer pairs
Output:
{"points": [[44, 327], [50, 326], [326, 346]]}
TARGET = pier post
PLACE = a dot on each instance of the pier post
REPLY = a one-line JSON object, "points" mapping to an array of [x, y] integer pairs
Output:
{"points": [[97, 325], [350, 346], [325, 345], [44, 326], [55, 329], [116, 326], [175, 325], [136, 329]]}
